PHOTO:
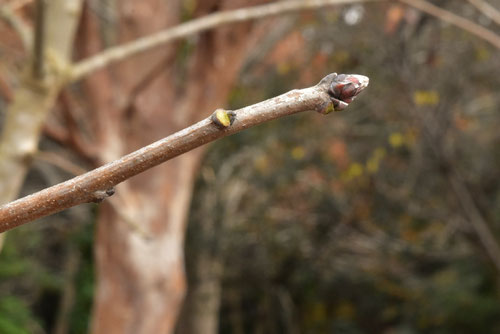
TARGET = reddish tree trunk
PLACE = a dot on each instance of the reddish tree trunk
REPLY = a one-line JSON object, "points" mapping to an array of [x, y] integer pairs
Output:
{"points": [[139, 248]]}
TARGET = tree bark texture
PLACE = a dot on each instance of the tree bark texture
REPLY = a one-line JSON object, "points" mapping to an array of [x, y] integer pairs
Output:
{"points": [[139, 249]]}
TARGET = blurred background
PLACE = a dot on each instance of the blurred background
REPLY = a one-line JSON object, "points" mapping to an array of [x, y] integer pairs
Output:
{"points": [[384, 218]]}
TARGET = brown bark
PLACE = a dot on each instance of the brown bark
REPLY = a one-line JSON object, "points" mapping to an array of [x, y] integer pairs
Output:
{"points": [[141, 280]]}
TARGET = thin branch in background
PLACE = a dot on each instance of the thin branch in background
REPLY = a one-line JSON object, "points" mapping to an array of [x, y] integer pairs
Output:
{"points": [[71, 133], [39, 42], [487, 10], [84, 147], [56, 132], [59, 161], [145, 81], [333, 92], [195, 26], [456, 20], [23, 31]]}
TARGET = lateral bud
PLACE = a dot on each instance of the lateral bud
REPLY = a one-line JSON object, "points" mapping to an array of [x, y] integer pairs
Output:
{"points": [[100, 195], [223, 118]]}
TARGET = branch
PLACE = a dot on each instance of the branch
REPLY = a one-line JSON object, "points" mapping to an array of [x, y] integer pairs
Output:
{"points": [[333, 92], [195, 26], [456, 20], [487, 10], [59, 161]]}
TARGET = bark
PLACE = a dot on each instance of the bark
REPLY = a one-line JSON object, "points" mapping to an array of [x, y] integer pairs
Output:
{"points": [[141, 279]]}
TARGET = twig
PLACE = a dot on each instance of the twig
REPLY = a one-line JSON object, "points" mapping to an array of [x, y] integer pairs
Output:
{"points": [[24, 32], [83, 147], [195, 26], [456, 20], [334, 92], [58, 161], [145, 81], [487, 10], [39, 42]]}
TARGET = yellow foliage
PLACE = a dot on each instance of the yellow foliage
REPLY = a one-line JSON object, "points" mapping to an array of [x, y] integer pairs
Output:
{"points": [[426, 97], [396, 139], [355, 170], [298, 153]]}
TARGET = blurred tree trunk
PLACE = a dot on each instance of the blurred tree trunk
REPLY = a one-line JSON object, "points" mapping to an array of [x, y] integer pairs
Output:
{"points": [[35, 97], [139, 249]]}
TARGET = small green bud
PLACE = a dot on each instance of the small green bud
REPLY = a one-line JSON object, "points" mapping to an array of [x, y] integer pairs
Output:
{"points": [[223, 118]]}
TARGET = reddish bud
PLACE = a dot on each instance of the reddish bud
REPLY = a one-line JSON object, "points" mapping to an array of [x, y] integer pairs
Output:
{"points": [[345, 88]]}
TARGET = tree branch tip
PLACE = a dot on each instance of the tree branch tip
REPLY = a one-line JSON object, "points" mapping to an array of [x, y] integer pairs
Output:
{"points": [[342, 89]]}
